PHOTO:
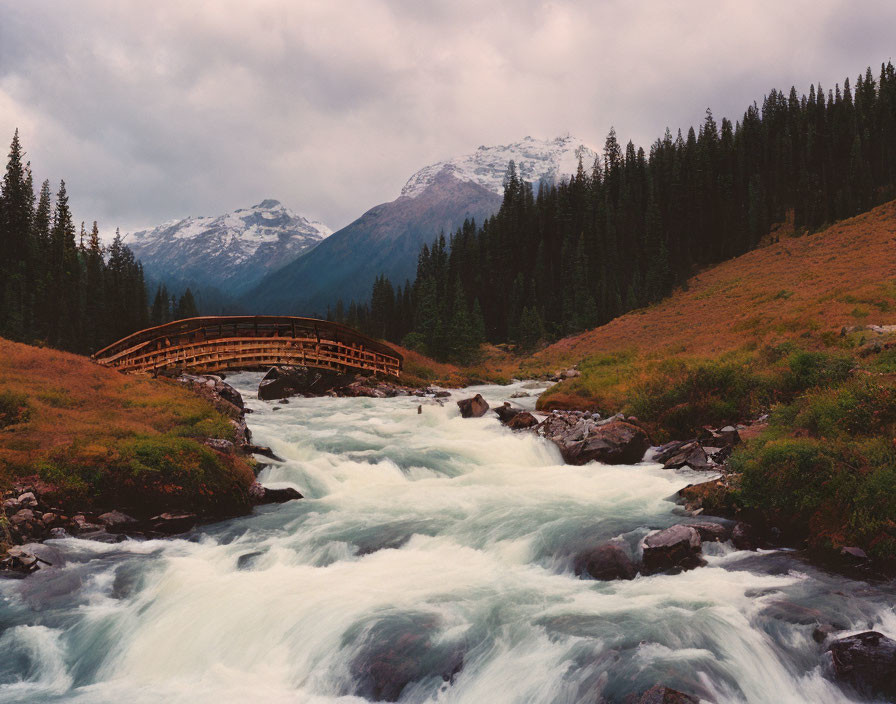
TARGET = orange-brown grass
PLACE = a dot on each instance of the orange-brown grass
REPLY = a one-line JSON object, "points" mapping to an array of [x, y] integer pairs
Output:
{"points": [[800, 289], [85, 422]]}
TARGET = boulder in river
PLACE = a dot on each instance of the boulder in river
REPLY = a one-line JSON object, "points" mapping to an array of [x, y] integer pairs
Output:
{"points": [[866, 662], [711, 532], [475, 407], [283, 382], [665, 695], [506, 412], [173, 523], [265, 495], [614, 443], [675, 547], [400, 650], [522, 421], [605, 562], [689, 454]]}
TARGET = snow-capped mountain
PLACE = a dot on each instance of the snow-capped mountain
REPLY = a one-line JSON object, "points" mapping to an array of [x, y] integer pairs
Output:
{"points": [[387, 238], [536, 160], [231, 252]]}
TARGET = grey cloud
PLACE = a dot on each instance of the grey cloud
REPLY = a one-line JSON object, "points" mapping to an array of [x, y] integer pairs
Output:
{"points": [[158, 110]]}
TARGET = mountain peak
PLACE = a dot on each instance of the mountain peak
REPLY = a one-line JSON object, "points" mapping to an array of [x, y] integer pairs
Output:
{"points": [[235, 249], [536, 160]]}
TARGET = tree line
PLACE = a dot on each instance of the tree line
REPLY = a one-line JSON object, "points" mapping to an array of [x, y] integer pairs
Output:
{"points": [[60, 286], [623, 233]]}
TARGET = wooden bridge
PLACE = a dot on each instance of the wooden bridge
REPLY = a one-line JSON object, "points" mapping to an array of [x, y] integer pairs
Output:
{"points": [[212, 344]]}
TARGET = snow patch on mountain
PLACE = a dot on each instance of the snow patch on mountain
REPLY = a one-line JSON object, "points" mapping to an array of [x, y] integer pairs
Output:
{"points": [[536, 160], [238, 247]]}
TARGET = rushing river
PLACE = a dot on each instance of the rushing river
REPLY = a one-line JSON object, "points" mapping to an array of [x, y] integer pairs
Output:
{"points": [[432, 547]]}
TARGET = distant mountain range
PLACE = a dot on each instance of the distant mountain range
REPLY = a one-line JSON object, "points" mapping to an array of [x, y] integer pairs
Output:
{"points": [[272, 260], [387, 238], [230, 252]]}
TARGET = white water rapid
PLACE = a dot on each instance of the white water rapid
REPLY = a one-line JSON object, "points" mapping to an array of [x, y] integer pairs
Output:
{"points": [[431, 552]]}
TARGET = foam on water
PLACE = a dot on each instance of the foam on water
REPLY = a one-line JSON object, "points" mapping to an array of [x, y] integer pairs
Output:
{"points": [[452, 535]]}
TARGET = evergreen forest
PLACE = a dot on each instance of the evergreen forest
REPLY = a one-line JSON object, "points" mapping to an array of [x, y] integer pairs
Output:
{"points": [[622, 233]]}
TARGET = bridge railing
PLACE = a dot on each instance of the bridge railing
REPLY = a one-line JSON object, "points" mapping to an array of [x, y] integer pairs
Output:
{"points": [[228, 342]]}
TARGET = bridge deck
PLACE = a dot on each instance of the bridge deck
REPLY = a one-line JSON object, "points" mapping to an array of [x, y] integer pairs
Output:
{"points": [[240, 342]]}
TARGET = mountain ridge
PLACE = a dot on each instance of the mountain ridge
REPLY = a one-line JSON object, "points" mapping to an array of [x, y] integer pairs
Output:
{"points": [[387, 238], [230, 251]]}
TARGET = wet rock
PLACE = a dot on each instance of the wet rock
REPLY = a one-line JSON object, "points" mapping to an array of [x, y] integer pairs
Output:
{"points": [[220, 445], [675, 547], [614, 443], [263, 451], [475, 407], [665, 695], [711, 532], [744, 537], [82, 525], [866, 662], [247, 560], [520, 394], [605, 562], [401, 650], [522, 421], [506, 412], [118, 522], [18, 561], [173, 523], [28, 500], [283, 382], [58, 533], [730, 435], [279, 496], [690, 454], [853, 554]]}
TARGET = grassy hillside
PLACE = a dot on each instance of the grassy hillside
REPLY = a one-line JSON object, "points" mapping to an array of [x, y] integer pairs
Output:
{"points": [[801, 290], [95, 438]]}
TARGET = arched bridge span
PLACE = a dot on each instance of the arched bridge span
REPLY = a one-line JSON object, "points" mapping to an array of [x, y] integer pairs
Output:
{"points": [[216, 343]]}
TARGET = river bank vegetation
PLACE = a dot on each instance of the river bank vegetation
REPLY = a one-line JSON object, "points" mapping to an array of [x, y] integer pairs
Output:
{"points": [[624, 232], [94, 438]]}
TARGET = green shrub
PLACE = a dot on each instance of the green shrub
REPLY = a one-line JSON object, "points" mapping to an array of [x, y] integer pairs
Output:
{"points": [[14, 409]]}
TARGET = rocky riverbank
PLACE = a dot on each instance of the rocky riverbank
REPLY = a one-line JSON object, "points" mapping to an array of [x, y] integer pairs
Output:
{"points": [[34, 510]]}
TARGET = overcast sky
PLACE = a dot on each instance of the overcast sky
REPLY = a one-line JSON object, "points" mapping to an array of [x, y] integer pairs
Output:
{"points": [[159, 109]]}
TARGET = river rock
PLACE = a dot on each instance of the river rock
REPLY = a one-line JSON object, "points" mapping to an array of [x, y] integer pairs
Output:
{"points": [[279, 496], [617, 442], [173, 523], [286, 381], [689, 454], [605, 562], [28, 500], [400, 650], [506, 412], [475, 407], [744, 537], [711, 532], [867, 662], [675, 547], [522, 421], [118, 522], [665, 695]]}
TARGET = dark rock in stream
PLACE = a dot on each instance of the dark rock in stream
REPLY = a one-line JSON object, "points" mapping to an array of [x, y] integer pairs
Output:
{"points": [[677, 547], [665, 695], [475, 407], [866, 662], [606, 562], [283, 382], [689, 454], [522, 421], [173, 523], [400, 650], [506, 412], [617, 442]]}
